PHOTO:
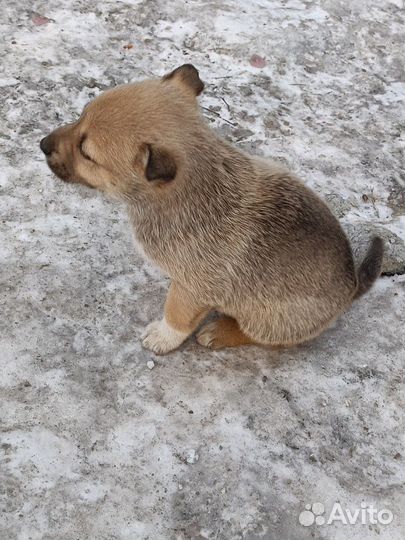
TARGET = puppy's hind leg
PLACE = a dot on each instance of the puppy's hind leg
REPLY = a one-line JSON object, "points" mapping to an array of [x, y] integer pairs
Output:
{"points": [[224, 332], [182, 315]]}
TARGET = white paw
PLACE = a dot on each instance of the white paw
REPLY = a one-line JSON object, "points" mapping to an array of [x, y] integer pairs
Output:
{"points": [[206, 336], [161, 338]]}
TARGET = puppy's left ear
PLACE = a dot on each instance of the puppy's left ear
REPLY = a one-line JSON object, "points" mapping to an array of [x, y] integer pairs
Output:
{"points": [[160, 164], [187, 77]]}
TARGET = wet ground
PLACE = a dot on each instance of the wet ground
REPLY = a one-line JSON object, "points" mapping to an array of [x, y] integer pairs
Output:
{"points": [[227, 445]]}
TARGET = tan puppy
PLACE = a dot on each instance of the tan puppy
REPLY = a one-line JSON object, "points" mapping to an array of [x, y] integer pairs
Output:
{"points": [[236, 233]]}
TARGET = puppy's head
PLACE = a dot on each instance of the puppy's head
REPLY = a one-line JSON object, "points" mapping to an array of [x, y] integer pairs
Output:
{"points": [[131, 138]]}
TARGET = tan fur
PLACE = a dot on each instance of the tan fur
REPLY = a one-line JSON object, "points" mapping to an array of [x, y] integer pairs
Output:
{"points": [[236, 233], [224, 332], [182, 310]]}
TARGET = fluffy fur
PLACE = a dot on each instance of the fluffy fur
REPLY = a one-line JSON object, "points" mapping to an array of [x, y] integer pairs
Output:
{"points": [[236, 233]]}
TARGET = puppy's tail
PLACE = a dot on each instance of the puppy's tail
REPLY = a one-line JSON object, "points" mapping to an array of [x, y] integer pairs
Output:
{"points": [[370, 268]]}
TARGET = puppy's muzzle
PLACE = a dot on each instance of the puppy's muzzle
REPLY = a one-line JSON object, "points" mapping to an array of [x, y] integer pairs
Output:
{"points": [[47, 145]]}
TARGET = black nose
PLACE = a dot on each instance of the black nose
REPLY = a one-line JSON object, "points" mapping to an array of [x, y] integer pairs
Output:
{"points": [[46, 145]]}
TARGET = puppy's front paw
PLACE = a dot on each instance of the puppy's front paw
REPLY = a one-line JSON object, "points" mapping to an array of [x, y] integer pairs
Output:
{"points": [[161, 338]]}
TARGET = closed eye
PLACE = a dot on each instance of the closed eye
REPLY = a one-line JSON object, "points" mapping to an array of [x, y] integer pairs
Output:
{"points": [[83, 151]]}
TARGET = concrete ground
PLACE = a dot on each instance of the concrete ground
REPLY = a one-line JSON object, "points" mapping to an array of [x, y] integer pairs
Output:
{"points": [[230, 445]]}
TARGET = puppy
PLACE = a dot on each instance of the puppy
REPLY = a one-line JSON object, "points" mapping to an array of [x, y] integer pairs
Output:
{"points": [[236, 233]]}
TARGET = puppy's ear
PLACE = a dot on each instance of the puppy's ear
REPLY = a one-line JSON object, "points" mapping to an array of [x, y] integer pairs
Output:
{"points": [[187, 76], [160, 164]]}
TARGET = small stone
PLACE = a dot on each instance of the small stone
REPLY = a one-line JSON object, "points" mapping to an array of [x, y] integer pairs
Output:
{"points": [[257, 61], [40, 20], [150, 364], [192, 456], [310, 68]]}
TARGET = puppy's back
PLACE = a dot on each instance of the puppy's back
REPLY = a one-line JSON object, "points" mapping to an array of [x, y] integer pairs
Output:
{"points": [[295, 235]]}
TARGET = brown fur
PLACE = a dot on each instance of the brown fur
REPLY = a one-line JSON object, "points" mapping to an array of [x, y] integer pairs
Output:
{"points": [[224, 332], [236, 233]]}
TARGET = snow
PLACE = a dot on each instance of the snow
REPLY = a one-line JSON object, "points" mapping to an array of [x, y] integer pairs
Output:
{"points": [[99, 439]]}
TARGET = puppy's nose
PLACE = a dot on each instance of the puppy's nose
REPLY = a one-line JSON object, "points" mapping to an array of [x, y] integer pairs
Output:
{"points": [[47, 145]]}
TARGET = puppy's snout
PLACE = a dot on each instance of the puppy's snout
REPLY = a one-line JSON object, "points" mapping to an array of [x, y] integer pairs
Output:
{"points": [[47, 145]]}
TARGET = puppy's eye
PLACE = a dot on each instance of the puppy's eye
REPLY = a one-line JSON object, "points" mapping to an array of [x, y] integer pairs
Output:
{"points": [[82, 150]]}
